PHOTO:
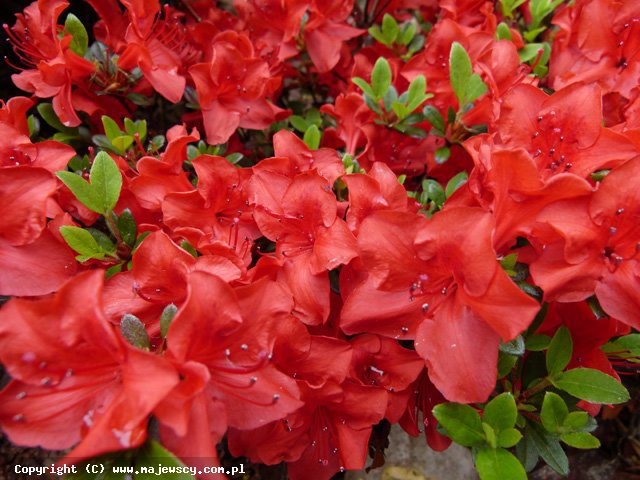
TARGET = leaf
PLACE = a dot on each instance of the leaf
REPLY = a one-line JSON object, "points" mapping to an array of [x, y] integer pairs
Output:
{"points": [[407, 34], [380, 78], [152, 454], [514, 347], [461, 422], [111, 128], [455, 183], [166, 318], [416, 93], [81, 190], [537, 342], [527, 453], [434, 191], [475, 88], [559, 352], [134, 332], [503, 32], [442, 154], [499, 464], [548, 448], [630, 343], [459, 71], [312, 137], [74, 27], [106, 182], [490, 435], [434, 117], [81, 242], [122, 143], [575, 421], [509, 438], [49, 115], [390, 28], [376, 33], [529, 52], [390, 97], [591, 385], [501, 412], [104, 242], [580, 440], [298, 123], [554, 412], [127, 227]]}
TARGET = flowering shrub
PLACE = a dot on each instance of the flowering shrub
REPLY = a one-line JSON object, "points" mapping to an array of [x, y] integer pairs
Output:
{"points": [[278, 225]]}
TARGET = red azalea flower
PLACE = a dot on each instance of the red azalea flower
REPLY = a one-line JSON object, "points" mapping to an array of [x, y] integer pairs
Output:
{"points": [[53, 66], [234, 88], [75, 381]]}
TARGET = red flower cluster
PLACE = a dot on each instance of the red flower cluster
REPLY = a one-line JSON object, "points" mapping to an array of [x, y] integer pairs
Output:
{"points": [[295, 302]]}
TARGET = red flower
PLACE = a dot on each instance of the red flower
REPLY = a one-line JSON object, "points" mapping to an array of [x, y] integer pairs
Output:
{"points": [[75, 381], [234, 88]]}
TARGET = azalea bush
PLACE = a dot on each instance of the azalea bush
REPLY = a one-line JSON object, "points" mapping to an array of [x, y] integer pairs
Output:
{"points": [[267, 229]]}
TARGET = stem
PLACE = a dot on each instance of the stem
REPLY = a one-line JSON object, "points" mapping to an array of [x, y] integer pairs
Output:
{"points": [[537, 388]]}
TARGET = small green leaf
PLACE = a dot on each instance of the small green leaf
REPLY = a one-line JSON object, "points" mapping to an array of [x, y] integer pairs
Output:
{"points": [[380, 78], [460, 71], [122, 143], [559, 352], [455, 183], [461, 422], [538, 342], [514, 347], [127, 227], [407, 34], [111, 271], [475, 88], [580, 440], [503, 32], [82, 242], [442, 154], [548, 448], [629, 343], [506, 363], [104, 242], [74, 27], [166, 318], [390, 28], [499, 464], [527, 453], [376, 33], [189, 248], [81, 190], [417, 92], [111, 128], [434, 117], [509, 438], [49, 115], [390, 97], [501, 412], [434, 191], [106, 182], [591, 385], [157, 142], [134, 332], [575, 421], [364, 86], [312, 137], [152, 454], [554, 412], [298, 123], [490, 435]]}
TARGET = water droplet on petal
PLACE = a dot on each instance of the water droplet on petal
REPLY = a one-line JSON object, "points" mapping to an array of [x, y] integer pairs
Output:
{"points": [[21, 395], [620, 211], [276, 397], [18, 417], [244, 347], [405, 330], [28, 357], [425, 307]]}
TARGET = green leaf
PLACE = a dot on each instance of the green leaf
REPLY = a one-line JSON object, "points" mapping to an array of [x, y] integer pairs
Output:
{"points": [[416, 44], [106, 182], [509, 438], [548, 448], [127, 227], [380, 78], [390, 29], [529, 52], [312, 137], [111, 128], [416, 93], [629, 343], [166, 318], [49, 115], [475, 88], [434, 191], [591, 385], [152, 454], [104, 242], [499, 464], [390, 97], [461, 422], [122, 143], [455, 183], [74, 27], [298, 123], [442, 154], [575, 421], [527, 453], [364, 86], [506, 363], [434, 117], [82, 242], [503, 32], [559, 352], [501, 412], [81, 190], [514, 347], [189, 248], [459, 71], [580, 440], [490, 435], [376, 33], [538, 342], [554, 412], [133, 331], [407, 34]]}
